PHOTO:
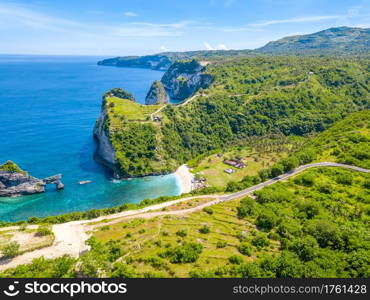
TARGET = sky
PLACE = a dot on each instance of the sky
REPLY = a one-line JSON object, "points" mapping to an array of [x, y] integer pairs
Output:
{"points": [[121, 27]]}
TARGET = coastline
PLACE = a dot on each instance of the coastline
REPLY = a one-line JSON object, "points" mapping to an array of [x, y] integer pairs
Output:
{"points": [[185, 178]]}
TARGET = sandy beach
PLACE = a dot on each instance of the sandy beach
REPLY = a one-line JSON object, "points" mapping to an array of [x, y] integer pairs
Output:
{"points": [[186, 178]]}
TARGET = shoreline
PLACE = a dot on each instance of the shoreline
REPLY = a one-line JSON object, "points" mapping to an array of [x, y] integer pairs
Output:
{"points": [[185, 179]]}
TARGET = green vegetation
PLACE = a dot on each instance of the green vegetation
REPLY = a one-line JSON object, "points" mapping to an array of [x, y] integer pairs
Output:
{"points": [[261, 153], [44, 230], [346, 142], [340, 40], [119, 93], [121, 110], [10, 166], [320, 229], [255, 97], [11, 249]]}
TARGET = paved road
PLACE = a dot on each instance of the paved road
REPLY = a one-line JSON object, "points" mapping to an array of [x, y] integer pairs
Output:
{"points": [[289, 174]]}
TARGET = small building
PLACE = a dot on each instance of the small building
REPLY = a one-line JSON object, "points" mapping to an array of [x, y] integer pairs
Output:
{"points": [[229, 171], [156, 118], [235, 163]]}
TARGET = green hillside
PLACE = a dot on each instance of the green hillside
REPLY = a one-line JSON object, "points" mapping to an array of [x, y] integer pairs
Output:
{"points": [[260, 96], [339, 40]]}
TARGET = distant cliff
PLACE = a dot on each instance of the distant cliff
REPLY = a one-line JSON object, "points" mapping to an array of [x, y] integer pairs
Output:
{"points": [[154, 62], [183, 79], [157, 94]]}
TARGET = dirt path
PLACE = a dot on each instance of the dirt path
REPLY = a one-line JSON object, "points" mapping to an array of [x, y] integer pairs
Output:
{"points": [[70, 237]]}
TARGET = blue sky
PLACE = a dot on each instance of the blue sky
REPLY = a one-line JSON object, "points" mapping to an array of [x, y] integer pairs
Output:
{"points": [[120, 27]]}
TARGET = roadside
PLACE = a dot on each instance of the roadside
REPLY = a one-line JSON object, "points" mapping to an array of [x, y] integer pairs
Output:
{"points": [[70, 237]]}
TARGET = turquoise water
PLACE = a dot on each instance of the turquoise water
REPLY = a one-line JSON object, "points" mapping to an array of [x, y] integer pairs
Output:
{"points": [[48, 109]]}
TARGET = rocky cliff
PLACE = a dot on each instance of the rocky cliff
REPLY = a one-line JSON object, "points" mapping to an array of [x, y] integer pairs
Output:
{"points": [[157, 94], [15, 182], [183, 79], [104, 153]]}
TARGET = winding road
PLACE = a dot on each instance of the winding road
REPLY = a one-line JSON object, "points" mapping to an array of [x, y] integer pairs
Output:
{"points": [[70, 237]]}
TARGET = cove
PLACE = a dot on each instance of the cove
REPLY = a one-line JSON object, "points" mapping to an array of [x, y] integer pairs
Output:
{"points": [[49, 105]]}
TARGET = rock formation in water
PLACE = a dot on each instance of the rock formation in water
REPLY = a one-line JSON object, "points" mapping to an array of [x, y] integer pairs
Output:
{"points": [[16, 182], [157, 94]]}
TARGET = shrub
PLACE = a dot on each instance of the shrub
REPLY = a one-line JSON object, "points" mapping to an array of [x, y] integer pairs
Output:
{"points": [[260, 241], [11, 249], [208, 210], [235, 260], [245, 248], [267, 220], [44, 230], [345, 179], [221, 244], [248, 207], [204, 229], [187, 253], [181, 233]]}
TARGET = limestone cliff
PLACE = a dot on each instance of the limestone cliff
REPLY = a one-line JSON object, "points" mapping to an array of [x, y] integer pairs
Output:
{"points": [[104, 153], [157, 94], [183, 79]]}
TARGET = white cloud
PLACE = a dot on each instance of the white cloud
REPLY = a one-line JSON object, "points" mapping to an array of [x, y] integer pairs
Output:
{"points": [[130, 14], [296, 20], [163, 48], [208, 46], [222, 47], [28, 18], [218, 47]]}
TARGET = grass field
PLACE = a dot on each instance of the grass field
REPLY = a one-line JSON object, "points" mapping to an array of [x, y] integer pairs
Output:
{"points": [[28, 239], [144, 240], [132, 111], [212, 167]]}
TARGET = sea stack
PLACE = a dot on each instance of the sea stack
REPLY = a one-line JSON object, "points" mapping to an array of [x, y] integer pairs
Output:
{"points": [[157, 94]]}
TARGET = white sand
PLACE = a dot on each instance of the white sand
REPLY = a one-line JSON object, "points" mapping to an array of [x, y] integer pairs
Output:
{"points": [[185, 178]]}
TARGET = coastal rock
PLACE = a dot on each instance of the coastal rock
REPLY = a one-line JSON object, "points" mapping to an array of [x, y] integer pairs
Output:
{"points": [[157, 94], [183, 79], [15, 182]]}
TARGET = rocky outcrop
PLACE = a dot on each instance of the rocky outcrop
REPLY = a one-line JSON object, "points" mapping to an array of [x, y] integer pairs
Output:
{"points": [[183, 79], [104, 153], [157, 94], [19, 183]]}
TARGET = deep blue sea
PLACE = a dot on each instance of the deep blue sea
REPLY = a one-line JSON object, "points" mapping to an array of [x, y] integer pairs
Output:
{"points": [[48, 108]]}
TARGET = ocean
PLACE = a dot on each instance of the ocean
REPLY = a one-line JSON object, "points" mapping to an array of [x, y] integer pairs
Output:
{"points": [[49, 105]]}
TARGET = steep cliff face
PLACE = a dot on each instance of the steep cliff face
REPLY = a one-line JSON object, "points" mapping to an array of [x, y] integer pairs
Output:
{"points": [[104, 153], [183, 79], [157, 94]]}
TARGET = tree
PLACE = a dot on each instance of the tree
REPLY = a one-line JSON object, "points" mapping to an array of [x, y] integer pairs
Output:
{"points": [[290, 163], [248, 207], [267, 220], [245, 249]]}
